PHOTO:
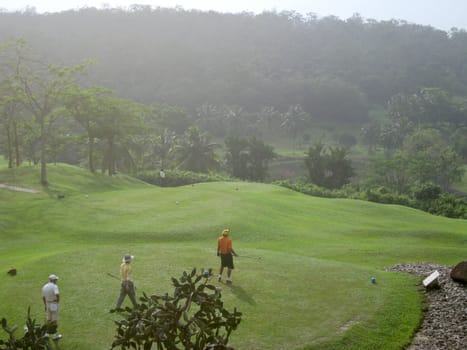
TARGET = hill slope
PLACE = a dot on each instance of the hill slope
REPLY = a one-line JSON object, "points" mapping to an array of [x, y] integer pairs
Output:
{"points": [[189, 58]]}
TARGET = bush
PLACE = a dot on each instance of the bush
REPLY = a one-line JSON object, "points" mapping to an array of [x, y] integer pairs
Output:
{"points": [[307, 188], [427, 192], [193, 318], [175, 178], [450, 206], [34, 338], [427, 197], [384, 196]]}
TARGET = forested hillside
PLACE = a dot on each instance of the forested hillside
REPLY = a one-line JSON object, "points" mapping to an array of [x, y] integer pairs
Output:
{"points": [[335, 69], [378, 105]]}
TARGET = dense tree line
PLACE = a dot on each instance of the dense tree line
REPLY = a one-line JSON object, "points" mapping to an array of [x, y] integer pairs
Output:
{"points": [[335, 69], [48, 116], [161, 83]]}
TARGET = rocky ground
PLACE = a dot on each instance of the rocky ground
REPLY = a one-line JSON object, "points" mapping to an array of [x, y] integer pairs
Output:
{"points": [[445, 323]]}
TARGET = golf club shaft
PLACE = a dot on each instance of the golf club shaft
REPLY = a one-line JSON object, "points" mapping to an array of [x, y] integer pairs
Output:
{"points": [[113, 276]]}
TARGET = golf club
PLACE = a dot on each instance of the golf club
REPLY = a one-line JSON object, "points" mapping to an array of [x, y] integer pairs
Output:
{"points": [[113, 276], [250, 257]]}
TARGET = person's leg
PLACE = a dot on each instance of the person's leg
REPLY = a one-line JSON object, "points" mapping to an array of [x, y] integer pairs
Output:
{"points": [[48, 321], [229, 274], [121, 297], [52, 327], [132, 294], [230, 267], [221, 270], [54, 332]]}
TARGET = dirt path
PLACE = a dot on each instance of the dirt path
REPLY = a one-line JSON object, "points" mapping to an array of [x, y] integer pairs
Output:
{"points": [[19, 189]]}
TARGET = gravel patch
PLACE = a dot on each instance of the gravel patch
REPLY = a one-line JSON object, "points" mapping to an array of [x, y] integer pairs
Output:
{"points": [[444, 326]]}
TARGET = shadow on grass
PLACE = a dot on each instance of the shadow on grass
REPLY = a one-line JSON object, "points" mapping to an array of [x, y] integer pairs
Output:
{"points": [[241, 294]]}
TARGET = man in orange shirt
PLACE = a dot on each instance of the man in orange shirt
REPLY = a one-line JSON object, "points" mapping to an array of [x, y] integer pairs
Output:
{"points": [[226, 252]]}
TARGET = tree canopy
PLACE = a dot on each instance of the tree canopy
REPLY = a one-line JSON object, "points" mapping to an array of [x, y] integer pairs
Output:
{"points": [[335, 69]]}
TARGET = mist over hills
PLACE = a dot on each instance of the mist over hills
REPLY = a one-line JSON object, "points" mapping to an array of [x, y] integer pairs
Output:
{"points": [[336, 70]]}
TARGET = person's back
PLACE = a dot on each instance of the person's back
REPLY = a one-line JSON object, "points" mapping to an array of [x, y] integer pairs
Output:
{"points": [[225, 250], [224, 244], [49, 291]]}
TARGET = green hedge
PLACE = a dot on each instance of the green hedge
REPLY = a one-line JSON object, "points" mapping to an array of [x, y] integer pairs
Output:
{"points": [[175, 178], [427, 197]]}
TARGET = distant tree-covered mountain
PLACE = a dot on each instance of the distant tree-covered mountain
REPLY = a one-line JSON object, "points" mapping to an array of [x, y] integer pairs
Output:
{"points": [[336, 70]]}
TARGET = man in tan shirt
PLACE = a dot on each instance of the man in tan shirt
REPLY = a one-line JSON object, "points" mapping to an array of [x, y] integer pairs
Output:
{"points": [[127, 286]]}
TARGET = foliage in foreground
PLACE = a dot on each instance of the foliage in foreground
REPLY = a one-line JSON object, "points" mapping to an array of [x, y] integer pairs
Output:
{"points": [[34, 338], [193, 318]]}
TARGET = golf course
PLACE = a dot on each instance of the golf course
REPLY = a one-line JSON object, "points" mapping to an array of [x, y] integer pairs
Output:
{"points": [[302, 279]]}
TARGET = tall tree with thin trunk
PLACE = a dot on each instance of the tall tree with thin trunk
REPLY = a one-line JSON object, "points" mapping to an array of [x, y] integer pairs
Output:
{"points": [[9, 118], [40, 88], [117, 118], [84, 107]]}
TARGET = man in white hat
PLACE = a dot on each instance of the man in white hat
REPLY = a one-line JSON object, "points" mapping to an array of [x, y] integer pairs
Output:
{"points": [[51, 299], [127, 286]]}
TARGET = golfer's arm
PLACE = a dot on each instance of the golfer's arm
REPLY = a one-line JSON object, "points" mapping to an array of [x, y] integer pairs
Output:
{"points": [[57, 297], [233, 252]]}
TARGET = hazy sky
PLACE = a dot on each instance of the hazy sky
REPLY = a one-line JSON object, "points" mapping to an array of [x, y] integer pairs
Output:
{"points": [[442, 14]]}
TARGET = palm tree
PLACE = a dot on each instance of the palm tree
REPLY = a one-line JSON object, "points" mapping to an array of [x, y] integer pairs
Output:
{"points": [[295, 120], [196, 153], [163, 145]]}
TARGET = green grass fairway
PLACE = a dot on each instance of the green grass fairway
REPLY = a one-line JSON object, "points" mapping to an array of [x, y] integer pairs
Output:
{"points": [[303, 283]]}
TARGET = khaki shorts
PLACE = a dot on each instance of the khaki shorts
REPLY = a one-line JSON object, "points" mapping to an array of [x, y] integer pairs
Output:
{"points": [[52, 311]]}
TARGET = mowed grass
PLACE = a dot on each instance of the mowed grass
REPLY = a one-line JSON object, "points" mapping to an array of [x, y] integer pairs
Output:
{"points": [[304, 280]]}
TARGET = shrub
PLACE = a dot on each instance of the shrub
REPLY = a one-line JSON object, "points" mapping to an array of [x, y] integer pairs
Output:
{"points": [[384, 196], [34, 338], [307, 188], [427, 192], [174, 178], [193, 318], [450, 206], [427, 197]]}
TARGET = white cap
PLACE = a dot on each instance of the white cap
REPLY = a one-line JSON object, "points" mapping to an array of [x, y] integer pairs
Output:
{"points": [[127, 258], [53, 277]]}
